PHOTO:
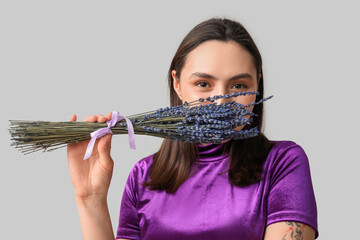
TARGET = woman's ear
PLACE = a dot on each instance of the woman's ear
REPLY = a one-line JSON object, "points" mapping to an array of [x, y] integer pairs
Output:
{"points": [[176, 84]]}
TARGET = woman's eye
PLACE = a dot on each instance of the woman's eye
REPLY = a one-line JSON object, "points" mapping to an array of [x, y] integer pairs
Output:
{"points": [[239, 85], [202, 84], [236, 86]]}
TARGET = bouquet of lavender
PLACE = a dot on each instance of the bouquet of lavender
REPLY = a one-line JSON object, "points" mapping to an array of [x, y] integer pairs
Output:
{"points": [[191, 122]]}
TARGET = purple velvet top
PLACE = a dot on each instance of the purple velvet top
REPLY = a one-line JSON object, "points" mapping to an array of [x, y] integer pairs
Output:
{"points": [[207, 206]]}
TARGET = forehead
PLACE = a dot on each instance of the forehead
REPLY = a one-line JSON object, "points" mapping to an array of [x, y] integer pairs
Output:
{"points": [[219, 58]]}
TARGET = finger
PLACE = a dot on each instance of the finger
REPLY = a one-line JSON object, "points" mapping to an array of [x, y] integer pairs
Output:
{"points": [[104, 144], [73, 118], [91, 118], [104, 147], [108, 117], [101, 118]]}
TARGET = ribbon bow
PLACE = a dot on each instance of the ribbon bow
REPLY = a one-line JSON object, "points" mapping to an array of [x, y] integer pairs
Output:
{"points": [[115, 118]]}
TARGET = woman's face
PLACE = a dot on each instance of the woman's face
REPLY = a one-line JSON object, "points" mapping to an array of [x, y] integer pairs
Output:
{"points": [[217, 68]]}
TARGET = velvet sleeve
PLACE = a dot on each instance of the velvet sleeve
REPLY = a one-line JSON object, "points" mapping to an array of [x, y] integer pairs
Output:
{"points": [[128, 227], [291, 195]]}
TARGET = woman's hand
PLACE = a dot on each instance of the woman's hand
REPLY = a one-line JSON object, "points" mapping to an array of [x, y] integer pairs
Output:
{"points": [[91, 178]]}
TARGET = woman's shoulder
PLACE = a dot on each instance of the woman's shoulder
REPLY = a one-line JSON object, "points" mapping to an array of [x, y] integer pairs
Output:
{"points": [[142, 167], [286, 154], [285, 146]]}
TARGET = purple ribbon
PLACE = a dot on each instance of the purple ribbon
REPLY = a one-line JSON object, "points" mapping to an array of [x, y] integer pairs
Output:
{"points": [[115, 118]]}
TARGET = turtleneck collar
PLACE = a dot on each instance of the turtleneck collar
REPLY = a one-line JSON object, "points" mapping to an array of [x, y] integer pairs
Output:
{"points": [[211, 152]]}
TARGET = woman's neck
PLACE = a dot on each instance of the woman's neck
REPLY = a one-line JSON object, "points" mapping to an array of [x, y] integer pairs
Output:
{"points": [[204, 144]]}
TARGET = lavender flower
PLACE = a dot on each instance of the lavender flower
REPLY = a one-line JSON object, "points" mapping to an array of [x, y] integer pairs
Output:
{"points": [[191, 122]]}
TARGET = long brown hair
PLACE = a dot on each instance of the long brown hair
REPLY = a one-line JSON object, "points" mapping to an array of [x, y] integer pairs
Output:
{"points": [[172, 162]]}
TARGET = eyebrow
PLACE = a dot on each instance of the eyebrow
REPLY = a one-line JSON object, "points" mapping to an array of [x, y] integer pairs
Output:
{"points": [[206, 75]]}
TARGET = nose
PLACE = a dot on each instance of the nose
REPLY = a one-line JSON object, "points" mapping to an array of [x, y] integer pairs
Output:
{"points": [[223, 92]]}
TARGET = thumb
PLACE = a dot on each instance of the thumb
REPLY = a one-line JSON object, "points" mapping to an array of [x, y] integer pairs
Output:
{"points": [[104, 149]]}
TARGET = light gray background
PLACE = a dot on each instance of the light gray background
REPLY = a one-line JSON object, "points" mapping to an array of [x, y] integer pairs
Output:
{"points": [[88, 57]]}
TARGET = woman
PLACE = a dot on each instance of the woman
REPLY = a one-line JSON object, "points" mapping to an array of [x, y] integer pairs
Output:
{"points": [[182, 191]]}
